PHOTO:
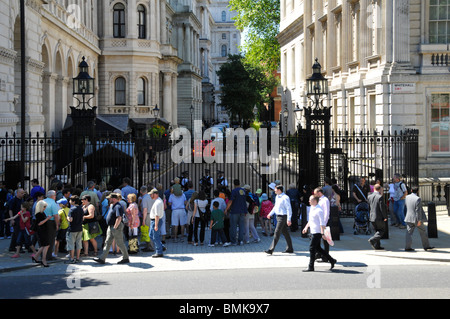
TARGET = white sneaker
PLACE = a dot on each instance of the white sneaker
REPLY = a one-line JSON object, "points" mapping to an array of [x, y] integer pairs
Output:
{"points": [[211, 245], [227, 244]]}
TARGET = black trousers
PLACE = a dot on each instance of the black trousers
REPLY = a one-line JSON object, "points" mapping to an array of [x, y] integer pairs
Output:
{"points": [[380, 229], [281, 228], [314, 248]]}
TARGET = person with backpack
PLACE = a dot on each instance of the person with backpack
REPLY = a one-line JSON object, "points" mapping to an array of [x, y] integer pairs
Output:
{"points": [[91, 227], [400, 193], [252, 210], [115, 230], [199, 217]]}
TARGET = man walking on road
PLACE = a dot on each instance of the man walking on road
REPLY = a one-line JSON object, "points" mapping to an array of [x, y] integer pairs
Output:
{"points": [[115, 230], [316, 224], [283, 211], [415, 217], [378, 216]]}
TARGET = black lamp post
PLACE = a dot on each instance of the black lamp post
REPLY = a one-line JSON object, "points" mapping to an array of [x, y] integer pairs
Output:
{"points": [[83, 116], [83, 85], [317, 91], [156, 112]]}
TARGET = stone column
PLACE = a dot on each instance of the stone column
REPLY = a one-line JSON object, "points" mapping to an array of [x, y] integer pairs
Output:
{"points": [[365, 34], [401, 25], [174, 100], [48, 100], [167, 96]]}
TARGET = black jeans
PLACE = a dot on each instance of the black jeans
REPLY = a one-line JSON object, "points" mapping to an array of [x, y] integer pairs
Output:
{"points": [[202, 223], [314, 248]]}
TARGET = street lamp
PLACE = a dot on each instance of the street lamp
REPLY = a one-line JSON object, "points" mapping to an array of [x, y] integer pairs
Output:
{"points": [[83, 85], [317, 85], [317, 90]]}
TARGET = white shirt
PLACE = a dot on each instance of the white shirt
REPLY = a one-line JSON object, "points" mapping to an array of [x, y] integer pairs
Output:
{"points": [[325, 205], [282, 206], [316, 219], [157, 209], [222, 204]]}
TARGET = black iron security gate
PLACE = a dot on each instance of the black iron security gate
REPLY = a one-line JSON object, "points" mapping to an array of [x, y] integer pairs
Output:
{"points": [[300, 159]]}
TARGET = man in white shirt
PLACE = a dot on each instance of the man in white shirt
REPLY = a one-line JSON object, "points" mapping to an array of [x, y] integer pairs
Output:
{"points": [[316, 224], [283, 211], [156, 216], [324, 203]]}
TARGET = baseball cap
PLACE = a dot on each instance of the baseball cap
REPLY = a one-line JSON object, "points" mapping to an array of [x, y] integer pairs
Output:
{"points": [[62, 201]]}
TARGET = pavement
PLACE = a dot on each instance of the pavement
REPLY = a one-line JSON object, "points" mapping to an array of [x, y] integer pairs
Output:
{"points": [[350, 251]]}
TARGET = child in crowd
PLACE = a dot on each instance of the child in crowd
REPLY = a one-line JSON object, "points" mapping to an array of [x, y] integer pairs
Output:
{"points": [[63, 224], [24, 236], [216, 225], [75, 230], [266, 207]]}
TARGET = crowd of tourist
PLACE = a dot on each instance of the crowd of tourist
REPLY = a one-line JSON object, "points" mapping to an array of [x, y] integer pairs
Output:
{"points": [[73, 220]]}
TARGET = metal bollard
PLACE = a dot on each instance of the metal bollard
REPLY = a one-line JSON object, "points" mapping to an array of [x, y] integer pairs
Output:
{"points": [[432, 221], [334, 223]]}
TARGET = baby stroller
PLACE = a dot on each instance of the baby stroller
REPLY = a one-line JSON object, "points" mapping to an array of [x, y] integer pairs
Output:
{"points": [[362, 224]]}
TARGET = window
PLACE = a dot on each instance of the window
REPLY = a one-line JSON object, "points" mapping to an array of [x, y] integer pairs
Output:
{"points": [[440, 120], [142, 22], [224, 50], [224, 36], [141, 91], [224, 16], [120, 90], [119, 21], [439, 22]]}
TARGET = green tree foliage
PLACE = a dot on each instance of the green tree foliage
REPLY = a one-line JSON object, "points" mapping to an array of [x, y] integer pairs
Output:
{"points": [[244, 86], [260, 19]]}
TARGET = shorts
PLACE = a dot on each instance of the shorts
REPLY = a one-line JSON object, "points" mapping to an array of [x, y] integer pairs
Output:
{"points": [[74, 239], [61, 235], [179, 217]]}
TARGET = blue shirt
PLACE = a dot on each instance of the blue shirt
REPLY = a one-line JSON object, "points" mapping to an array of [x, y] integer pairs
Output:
{"points": [[177, 202], [239, 204], [128, 190], [282, 206], [52, 208]]}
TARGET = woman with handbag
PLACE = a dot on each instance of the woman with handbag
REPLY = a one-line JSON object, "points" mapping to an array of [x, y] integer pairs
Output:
{"points": [[41, 226], [199, 217], [91, 227], [133, 223]]}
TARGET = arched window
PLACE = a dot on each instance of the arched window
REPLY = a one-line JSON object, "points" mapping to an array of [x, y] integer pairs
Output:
{"points": [[120, 91], [141, 91], [119, 21], [224, 16], [224, 50], [142, 22]]}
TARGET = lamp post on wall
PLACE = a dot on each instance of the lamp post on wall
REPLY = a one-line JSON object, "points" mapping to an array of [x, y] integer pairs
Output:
{"points": [[317, 91], [83, 116], [83, 85]]}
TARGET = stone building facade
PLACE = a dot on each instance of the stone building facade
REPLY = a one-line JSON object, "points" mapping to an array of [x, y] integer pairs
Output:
{"points": [[386, 62], [141, 54]]}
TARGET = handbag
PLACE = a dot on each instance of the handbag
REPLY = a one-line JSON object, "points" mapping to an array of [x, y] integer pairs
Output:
{"points": [[145, 236], [327, 234], [94, 228]]}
